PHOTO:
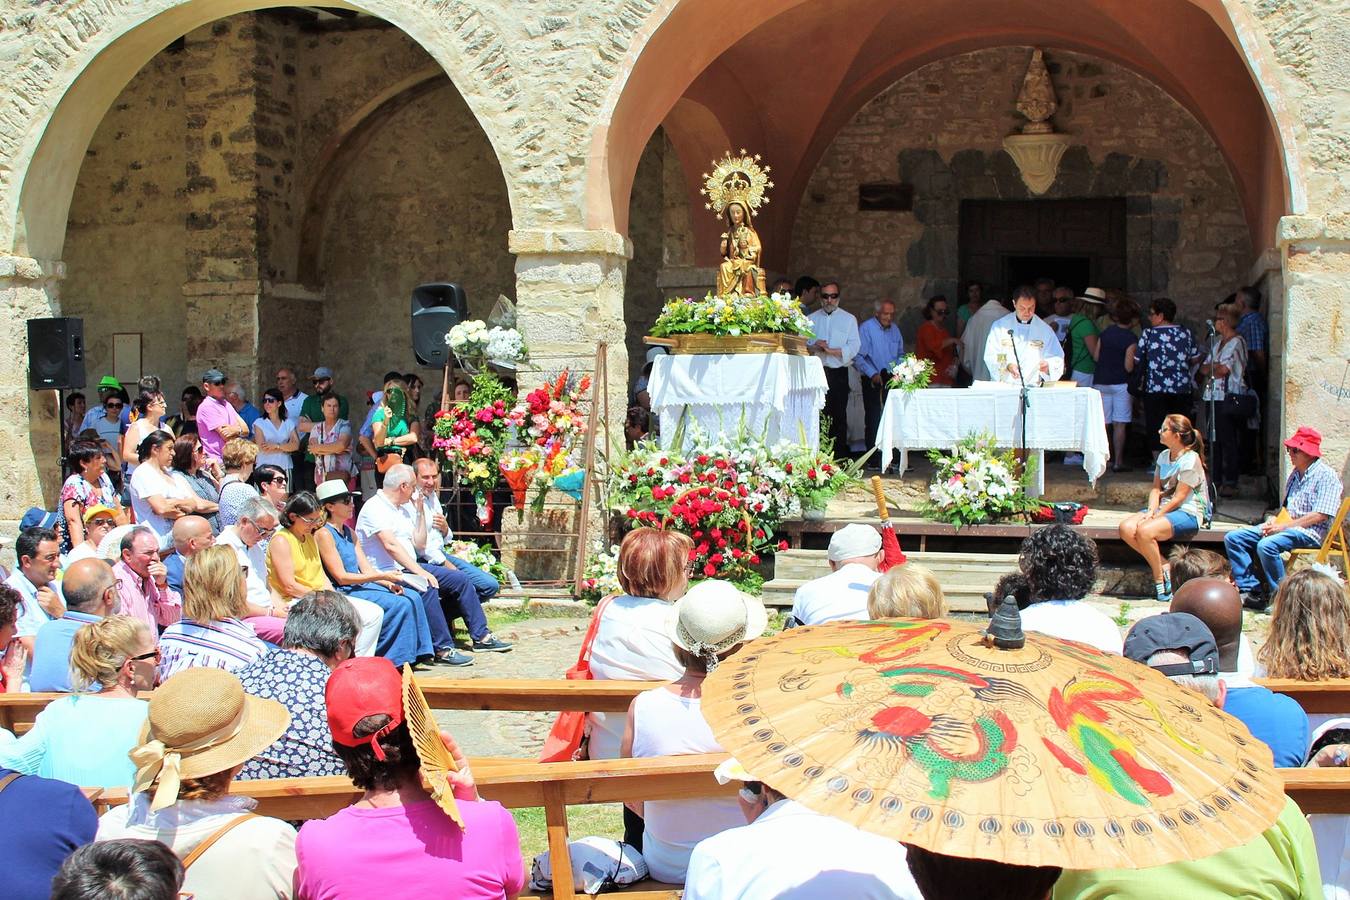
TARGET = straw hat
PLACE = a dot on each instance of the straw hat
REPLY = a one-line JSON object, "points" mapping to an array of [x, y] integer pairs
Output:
{"points": [[713, 617], [1093, 295], [201, 722]]}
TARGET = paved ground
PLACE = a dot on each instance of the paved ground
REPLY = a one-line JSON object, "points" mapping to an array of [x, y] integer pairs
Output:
{"points": [[544, 648]]}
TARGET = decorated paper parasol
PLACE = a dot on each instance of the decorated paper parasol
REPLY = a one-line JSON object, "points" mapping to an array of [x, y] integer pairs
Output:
{"points": [[1052, 754]]}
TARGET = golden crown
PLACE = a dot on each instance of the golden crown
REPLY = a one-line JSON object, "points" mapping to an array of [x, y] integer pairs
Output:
{"points": [[737, 179]]}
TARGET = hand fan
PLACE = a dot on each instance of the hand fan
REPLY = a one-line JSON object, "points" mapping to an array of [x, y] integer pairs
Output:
{"points": [[436, 764]]}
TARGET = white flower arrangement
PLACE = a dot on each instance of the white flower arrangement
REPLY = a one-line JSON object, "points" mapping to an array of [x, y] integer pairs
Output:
{"points": [[505, 345], [472, 342], [468, 338], [911, 374], [975, 483]]}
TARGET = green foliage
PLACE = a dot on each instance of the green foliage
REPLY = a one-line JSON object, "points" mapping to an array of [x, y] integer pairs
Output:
{"points": [[731, 316]]}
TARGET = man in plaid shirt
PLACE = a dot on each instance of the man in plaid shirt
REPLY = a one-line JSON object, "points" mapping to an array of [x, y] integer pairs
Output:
{"points": [[1312, 496]]}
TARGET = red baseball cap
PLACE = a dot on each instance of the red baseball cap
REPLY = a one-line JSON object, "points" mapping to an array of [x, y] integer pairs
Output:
{"points": [[360, 687], [1309, 440]]}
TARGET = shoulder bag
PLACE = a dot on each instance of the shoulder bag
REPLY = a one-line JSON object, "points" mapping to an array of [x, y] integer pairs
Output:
{"points": [[565, 739]]}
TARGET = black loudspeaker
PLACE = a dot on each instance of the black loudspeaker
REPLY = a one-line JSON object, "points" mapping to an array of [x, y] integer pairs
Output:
{"points": [[55, 353], [436, 308]]}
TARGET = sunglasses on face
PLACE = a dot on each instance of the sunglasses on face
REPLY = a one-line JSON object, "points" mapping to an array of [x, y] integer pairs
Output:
{"points": [[153, 654], [829, 296], [113, 405], [267, 400]]}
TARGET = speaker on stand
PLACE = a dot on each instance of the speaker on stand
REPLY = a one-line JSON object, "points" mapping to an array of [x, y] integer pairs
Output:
{"points": [[436, 308], [56, 362]]}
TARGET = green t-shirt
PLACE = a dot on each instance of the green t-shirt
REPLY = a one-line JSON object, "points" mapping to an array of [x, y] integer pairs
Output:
{"points": [[1280, 863], [1080, 358], [398, 429]]}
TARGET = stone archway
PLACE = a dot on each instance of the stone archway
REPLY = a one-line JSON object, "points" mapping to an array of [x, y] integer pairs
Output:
{"points": [[87, 56]]}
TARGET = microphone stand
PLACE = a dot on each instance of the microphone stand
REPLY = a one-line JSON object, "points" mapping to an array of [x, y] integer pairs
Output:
{"points": [[1026, 397], [1211, 427]]}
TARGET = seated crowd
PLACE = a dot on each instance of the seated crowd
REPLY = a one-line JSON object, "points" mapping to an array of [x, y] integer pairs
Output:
{"points": [[272, 637]]}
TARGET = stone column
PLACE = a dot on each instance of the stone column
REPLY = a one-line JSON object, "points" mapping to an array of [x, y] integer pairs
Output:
{"points": [[29, 428], [1314, 370], [569, 296], [236, 94]]}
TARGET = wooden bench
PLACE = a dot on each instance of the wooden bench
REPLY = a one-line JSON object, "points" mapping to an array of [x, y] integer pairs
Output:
{"points": [[1330, 696], [522, 783], [515, 784], [923, 530], [17, 711]]}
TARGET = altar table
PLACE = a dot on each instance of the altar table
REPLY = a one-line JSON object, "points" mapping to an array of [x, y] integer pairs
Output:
{"points": [[721, 390], [1058, 419]]}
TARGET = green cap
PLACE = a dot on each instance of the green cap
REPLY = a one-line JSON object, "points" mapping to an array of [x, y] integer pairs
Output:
{"points": [[109, 382]]}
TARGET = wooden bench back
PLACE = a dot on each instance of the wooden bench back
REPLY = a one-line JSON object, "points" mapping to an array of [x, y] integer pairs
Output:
{"points": [[518, 784], [17, 711]]}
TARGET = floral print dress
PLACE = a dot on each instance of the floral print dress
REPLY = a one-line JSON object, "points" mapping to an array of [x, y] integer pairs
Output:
{"points": [[1168, 351], [85, 495]]}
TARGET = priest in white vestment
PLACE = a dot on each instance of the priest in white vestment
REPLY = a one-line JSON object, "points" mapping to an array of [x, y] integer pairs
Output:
{"points": [[1037, 348]]}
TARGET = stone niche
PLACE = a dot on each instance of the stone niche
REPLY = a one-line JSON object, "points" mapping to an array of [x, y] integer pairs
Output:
{"points": [[941, 129]]}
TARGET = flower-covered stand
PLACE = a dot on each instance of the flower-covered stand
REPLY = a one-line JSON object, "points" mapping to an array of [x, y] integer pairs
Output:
{"points": [[774, 394], [936, 419]]}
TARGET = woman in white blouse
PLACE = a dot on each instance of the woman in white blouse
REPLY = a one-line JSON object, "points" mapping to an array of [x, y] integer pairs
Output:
{"points": [[156, 496], [274, 433], [631, 642]]}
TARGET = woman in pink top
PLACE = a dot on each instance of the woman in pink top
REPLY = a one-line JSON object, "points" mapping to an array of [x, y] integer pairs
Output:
{"points": [[395, 842]]}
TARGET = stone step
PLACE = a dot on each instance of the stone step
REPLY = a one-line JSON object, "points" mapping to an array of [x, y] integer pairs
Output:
{"points": [[964, 576], [964, 599]]}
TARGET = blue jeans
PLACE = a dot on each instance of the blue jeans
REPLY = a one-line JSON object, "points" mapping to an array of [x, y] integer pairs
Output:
{"points": [[1246, 546], [484, 583], [460, 598]]}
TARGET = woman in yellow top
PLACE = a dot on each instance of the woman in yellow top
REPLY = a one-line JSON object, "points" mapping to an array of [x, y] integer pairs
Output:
{"points": [[294, 567]]}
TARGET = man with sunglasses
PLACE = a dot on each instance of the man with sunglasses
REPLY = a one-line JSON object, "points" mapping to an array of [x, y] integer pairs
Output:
{"points": [[108, 386], [247, 537], [217, 421], [90, 589], [836, 342]]}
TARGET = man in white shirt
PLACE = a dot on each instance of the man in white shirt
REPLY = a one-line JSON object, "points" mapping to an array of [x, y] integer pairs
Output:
{"points": [[976, 335], [854, 555], [391, 532], [788, 850], [248, 537], [1021, 346], [836, 342], [427, 500], [38, 552]]}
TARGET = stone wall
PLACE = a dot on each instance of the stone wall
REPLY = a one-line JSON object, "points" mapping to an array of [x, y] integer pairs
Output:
{"points": [[210, 187], [941, 130], [425, 201], [125, 245], [641, 295]]}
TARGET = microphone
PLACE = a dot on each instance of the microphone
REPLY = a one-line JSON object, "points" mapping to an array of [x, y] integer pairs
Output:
{"points": [[1011, 333], [1209, 324]]}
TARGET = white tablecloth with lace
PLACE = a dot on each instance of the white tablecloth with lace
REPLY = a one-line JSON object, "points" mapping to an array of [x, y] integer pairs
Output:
{"points": [[720, 391], [936, 418]]}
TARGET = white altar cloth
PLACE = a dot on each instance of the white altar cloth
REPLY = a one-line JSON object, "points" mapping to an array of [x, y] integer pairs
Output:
{"points": [[786, 392], [936, 418]]}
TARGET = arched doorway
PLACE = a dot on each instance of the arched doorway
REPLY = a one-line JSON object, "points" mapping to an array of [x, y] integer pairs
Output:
{"points": [[210, 152]]}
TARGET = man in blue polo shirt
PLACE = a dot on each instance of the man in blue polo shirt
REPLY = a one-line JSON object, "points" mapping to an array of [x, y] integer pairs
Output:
{"points": [[91, 593]]}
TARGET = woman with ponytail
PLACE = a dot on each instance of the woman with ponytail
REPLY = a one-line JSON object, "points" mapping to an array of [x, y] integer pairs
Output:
{"points": [[84, 738], [1177, 503]]}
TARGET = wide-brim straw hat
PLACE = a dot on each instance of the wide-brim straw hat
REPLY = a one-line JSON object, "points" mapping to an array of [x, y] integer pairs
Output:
{"points": [[1093, 295], [200, 723], [715, 616]]}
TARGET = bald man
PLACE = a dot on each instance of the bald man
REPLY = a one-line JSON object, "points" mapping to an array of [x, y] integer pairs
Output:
{"points": [[90, 590], [1274, 718], [190, 534]]}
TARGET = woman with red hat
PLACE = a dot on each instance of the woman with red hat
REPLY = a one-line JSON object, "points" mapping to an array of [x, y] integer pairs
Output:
{"points": [[1312, 496]]}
